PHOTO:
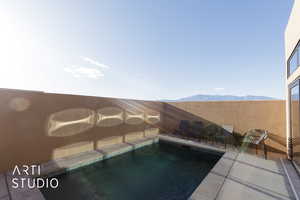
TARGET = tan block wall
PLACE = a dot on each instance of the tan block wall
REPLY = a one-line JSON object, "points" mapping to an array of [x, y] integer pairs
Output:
{"points": [[243, 115], [109, 141], [150, 132], [72, 149], [134, 136], [37, 127]]}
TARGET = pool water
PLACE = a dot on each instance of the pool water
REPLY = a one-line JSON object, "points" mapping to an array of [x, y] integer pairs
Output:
{"points": [[160, 171]]}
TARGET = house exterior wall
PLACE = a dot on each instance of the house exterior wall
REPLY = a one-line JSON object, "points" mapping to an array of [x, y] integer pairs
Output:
{"points": [[292, 37]]}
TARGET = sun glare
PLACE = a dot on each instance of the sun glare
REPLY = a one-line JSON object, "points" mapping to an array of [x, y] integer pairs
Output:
{"points": [[15, 50]]}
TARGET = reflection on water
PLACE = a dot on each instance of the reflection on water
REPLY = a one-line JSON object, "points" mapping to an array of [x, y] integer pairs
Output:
{"points": [[109, 116], [70, 122]]}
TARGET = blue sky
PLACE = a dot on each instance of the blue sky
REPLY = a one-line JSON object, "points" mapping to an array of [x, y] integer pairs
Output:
{"points": [[144, 49]]}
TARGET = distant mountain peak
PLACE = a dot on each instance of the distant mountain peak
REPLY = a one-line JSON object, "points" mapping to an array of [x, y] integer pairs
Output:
{"points": [[211, 97]]}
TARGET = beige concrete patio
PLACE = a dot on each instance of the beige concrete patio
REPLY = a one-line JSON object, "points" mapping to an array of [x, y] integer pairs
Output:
{"points": [[240, 175], [252, 177]]}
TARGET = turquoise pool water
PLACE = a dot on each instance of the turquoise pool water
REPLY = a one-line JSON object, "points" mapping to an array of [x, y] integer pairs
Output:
{"points": [[160, 171]]}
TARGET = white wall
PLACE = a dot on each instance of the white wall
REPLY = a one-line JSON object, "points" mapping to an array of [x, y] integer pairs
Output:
{"points": [[292, 36]]}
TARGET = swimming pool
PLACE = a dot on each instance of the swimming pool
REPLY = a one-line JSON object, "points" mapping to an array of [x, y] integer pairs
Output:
{"points": [[160, 171]]}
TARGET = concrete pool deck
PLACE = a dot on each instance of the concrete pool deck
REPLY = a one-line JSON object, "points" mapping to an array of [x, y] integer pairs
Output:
{"points": [[236, 175], [239, 175]]}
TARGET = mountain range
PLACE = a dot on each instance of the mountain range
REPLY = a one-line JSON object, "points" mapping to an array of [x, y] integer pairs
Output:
{"points": [[203, 97]]}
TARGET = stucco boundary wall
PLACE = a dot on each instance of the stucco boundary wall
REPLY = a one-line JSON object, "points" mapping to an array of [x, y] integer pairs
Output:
{"points": [[242, 115], [37, 127]]}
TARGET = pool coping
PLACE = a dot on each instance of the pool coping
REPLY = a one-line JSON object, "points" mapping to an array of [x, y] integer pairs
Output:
{"points": [[209, 188], [222, 180]]}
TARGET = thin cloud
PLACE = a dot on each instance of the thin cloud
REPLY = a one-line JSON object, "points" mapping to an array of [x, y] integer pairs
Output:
{"points": [[219, 88], [86, 72], [94, 62]]}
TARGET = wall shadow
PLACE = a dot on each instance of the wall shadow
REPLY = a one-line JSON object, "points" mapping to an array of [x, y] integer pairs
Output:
{"points": [[42, 126], [37, 127]]}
